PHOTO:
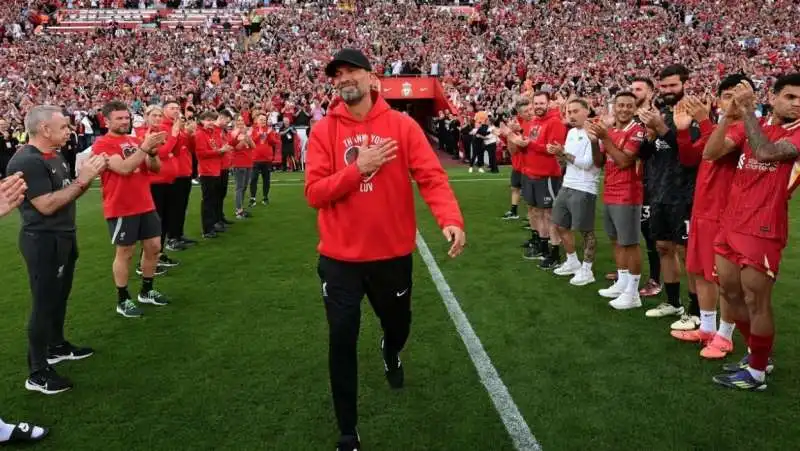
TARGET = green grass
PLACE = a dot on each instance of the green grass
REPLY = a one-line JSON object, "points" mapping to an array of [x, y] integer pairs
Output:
{"points": [[239, 360]]}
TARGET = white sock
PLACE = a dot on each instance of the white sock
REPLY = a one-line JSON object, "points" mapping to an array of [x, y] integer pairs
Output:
{"points": [[587, 266], [622, 278], [5, 431], [708, 320], [632, 287], [726, 329], [757, 374], [572, 258]]}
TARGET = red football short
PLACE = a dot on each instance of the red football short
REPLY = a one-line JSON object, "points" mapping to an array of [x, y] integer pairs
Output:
{"points": [[700, 249], [745, 250]]}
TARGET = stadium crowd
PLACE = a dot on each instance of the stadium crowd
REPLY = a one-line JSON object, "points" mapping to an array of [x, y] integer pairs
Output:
{"points": [[574, 90]]}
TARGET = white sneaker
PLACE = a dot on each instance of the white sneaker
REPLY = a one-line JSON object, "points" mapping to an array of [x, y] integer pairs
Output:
{"points": [[568, 268], [686, 323], [481, 170], [582, 277], [470, 170], [612, 292], [626, 301], [662, 310]]}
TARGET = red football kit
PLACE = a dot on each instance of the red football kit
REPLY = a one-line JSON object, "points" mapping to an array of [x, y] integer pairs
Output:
{"points": [[624, 186], [710, 196], [124, 195], [755, 220]]}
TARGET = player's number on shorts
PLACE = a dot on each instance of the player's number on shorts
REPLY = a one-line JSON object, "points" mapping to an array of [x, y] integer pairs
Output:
{"points": [[686, 237], [645, 212]]}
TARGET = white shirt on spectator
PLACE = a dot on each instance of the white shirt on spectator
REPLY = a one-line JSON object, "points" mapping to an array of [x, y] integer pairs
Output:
{"points": [[582, 174]]}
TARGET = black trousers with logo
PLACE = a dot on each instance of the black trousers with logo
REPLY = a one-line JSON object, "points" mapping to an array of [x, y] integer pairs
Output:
{"points": [[50, 259], [387, 285]]}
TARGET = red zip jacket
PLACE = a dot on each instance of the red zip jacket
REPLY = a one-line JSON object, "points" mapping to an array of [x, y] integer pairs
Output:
{"points": [[265, 140], [368, 218], [207, 143], [181, 155], [168, 165], [543, 131], [241, 157], [227, 138]]}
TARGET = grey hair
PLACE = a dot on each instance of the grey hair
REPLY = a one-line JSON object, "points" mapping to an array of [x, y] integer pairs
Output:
{"points": [[37, 116]]}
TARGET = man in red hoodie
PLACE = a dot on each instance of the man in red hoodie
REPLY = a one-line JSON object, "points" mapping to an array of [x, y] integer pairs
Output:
{"points": [[542, 176], [358, 165]]}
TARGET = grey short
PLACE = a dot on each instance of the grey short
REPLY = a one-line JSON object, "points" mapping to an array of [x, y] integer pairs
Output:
{"points": [[128, 230], [540, 192], [574, 210], [623, 223], [516, 179]]}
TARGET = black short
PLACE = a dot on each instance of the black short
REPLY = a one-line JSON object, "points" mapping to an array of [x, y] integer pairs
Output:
{"points": [[128, 230], [540, 192], [516, 179], [670, 222]]}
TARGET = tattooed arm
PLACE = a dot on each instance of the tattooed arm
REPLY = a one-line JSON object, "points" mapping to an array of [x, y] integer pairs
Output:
{"points": [[763, 149]]}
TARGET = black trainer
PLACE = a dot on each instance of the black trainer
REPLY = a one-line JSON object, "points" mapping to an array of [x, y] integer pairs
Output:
{"points": [[159, 271], [165, 261], [187, 240], [47, 381], [349, 443], [210, 235], [549, 263], [393, 368], [67, 351]]}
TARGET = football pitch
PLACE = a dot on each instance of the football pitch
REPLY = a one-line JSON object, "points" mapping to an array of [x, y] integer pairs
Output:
{"points": [[239, 359]]}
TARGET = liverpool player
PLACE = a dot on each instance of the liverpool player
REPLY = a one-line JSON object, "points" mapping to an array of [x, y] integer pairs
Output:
{"points": [[623, 194], [644, 90], [719, 152], [128, 204], [755, 224], [671, 187]]}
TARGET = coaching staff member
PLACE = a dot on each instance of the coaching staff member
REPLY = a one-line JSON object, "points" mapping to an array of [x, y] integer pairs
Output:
{"points": [[359, 161], [48, 242]]}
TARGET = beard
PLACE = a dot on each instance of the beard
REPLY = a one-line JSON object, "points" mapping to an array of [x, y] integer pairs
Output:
{"points": [[351, 94], [672, 99]]}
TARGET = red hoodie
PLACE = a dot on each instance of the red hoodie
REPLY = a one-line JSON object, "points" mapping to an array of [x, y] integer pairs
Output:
{"points": [[207, 143], [373, 218], [542, 131]]}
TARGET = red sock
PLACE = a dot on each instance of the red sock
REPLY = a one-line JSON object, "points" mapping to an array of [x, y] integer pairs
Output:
{"points": [[760, 350], [744, 328]]}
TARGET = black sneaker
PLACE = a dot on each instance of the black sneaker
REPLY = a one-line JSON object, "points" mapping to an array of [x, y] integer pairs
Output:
{"points": [[265, 202], [165, 261], [174, 245], [529, 243], [532, 253], [153, 297], [549, 263], [219, 227], [47, 381], [349, 443], [210, 235], [159, 271], [67, 351], [187, 240], [393, 368], [509, 215]]}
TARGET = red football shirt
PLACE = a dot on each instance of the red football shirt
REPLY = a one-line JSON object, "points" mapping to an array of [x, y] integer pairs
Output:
{"points": [[624, 186], [714, 178], [123, 195], [759, 195]]}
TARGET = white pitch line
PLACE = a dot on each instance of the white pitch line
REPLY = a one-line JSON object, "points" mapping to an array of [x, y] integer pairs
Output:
{"points": [[512, 418]]}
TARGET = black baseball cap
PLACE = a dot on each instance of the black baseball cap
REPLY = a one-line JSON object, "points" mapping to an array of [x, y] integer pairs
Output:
{"points": [[347, 56]]}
